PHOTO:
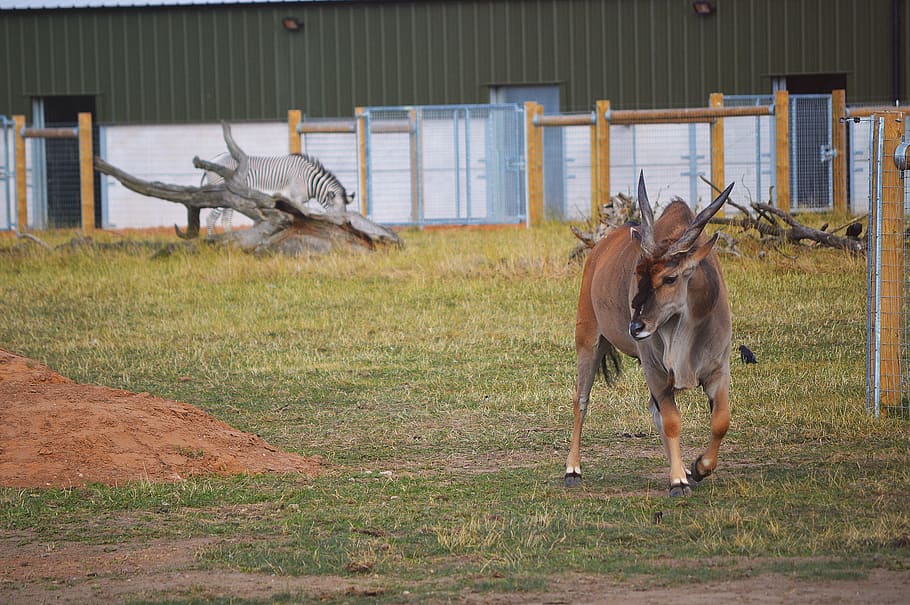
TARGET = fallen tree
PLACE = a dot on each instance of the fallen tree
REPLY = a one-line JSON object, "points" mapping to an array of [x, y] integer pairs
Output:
{"points": [[279, 224], [773, 226], [763, 220]]}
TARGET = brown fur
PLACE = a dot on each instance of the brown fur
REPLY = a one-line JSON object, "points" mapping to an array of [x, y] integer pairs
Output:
{"points": [[680, 300]]}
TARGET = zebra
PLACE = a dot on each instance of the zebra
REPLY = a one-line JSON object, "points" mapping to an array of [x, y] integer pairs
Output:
{"points": [[298, 177]]}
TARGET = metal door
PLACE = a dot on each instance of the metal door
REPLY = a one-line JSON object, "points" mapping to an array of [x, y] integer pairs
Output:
{"points": [[554, 168], [811, 152]]}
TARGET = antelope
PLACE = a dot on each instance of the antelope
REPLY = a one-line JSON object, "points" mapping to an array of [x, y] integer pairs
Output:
{"points": [[655, 292]]}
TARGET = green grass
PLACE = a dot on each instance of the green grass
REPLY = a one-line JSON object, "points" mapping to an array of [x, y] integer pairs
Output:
{"points": [[451, 364]]}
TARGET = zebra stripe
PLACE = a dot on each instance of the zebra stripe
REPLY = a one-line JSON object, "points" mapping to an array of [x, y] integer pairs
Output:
{"points": [[300, 178]]}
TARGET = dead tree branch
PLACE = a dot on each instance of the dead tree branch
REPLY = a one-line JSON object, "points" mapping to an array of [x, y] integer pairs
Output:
{"points": [[279, 224]]}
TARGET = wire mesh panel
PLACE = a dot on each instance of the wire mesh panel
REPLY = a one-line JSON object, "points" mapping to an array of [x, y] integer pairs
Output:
{"points": [[672, 156], [888, 323], [749, 149], [859, 137], [575, 173], [61, 206], [811, 152], [459, 164], [338, 153], [164, 152], [7, 176]]}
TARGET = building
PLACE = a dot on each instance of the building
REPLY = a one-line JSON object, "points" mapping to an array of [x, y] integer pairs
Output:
{"points": [[143, 63]]}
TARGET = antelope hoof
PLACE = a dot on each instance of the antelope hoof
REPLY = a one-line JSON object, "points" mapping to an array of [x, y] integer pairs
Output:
{"points": [[573, 479], [695, 475], [678, 490]]}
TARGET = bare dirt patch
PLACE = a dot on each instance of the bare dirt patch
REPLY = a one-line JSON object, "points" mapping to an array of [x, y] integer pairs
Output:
{"points": [[58, 433], [32, 571], [880, 587]]}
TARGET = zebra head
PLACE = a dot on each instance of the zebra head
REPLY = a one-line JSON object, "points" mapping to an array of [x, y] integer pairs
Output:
{"points": [[323, 186], [334, 195]]}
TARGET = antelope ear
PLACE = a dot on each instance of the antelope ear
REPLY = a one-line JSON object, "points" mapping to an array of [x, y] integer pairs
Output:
{"points": [[696, 256], [702, 251]]}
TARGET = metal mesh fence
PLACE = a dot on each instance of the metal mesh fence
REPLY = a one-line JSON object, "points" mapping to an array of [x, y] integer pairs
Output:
{"points": [[811, 152], [61, 203], [461, 164], [676, 160], [338, 153], [888, 321], [749, 150], [7, 175], [567, 172], [859, 139], [672, 156]]}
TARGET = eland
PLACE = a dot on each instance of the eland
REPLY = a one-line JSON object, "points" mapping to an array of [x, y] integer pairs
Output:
{"points": [[655, 292]]}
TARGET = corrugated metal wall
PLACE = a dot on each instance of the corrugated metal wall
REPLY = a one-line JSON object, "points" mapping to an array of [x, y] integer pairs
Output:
{"points": [[236, 62]]}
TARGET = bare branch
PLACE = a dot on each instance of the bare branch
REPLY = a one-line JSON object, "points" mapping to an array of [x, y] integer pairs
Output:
{"points": [[279, 224], [32, 238]]}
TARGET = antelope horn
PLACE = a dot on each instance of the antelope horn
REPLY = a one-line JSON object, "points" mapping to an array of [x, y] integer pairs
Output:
{"points": [[684, 243], [647, 218]]}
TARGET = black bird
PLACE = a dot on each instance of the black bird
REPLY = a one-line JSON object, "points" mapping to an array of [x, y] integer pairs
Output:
{"points": [[854, 229], [747, 355]]}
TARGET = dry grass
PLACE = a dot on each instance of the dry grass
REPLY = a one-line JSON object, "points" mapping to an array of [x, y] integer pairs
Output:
{"points": [[437, 383]]}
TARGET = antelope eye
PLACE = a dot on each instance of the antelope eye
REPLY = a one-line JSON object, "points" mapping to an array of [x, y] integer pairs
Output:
{"points": [[670, 280]]}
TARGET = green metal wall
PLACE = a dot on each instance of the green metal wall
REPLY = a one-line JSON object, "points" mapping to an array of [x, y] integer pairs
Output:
{"points": [[179, 64]]}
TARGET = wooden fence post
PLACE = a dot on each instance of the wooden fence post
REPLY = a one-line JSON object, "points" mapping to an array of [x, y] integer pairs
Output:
{"points": [[600, 176], [782, 148], [717, 149], [534, 162], [839, 142], [87, 172], [294, 118], [21, 189], [891, 263]]}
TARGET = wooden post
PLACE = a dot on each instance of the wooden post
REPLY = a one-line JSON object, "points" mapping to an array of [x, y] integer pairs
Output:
{"points": [[839, 142], [782, 148], [600, 154], [360, 126], [415, 166], [87, 172], [595, 171], [534, 138], [892, 263], [21, 189], [294, 118], [717, 149]]}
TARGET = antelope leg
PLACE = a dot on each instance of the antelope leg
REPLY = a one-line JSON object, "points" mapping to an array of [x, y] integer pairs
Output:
{"points": [[589, 358]]}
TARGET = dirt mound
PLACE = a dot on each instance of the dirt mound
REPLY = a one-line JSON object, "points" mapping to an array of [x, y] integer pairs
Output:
{"points": [[56, 432]]}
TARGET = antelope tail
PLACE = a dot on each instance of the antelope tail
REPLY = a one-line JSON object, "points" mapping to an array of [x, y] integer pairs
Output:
{"points": [[611, 375]]}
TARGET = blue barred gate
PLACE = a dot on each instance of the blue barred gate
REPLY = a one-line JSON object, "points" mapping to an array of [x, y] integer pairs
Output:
{"points": [[452, 164]]}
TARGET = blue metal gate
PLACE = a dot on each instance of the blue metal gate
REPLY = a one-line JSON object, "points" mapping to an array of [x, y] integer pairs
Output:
{"points": [[7, 176], [451, 164]]}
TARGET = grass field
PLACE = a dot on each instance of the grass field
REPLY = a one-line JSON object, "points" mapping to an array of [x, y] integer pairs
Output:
{"points": [[436, 383]]}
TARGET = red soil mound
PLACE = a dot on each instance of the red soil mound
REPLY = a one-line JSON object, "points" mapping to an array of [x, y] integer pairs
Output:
{"points": [[55, 432]]}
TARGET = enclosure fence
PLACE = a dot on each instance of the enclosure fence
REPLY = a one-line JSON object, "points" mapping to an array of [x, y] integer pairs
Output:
{"points": [[475, 164], [62, 197], [431, 165], [7, 176], [888, 321]]}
